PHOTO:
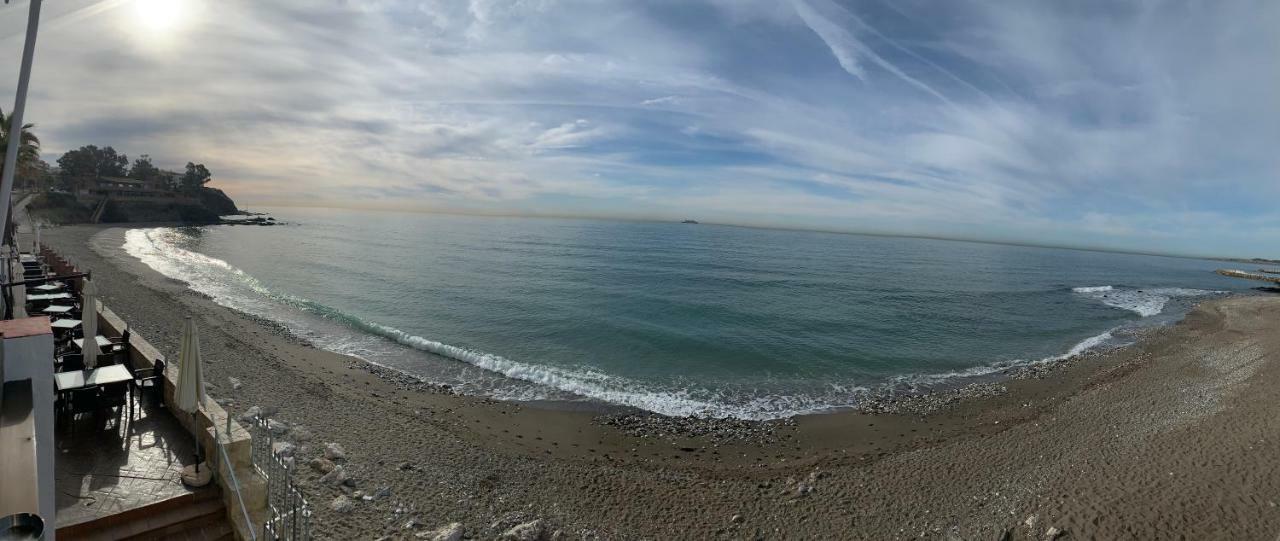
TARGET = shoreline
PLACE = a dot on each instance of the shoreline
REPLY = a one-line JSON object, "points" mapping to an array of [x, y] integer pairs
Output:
{"points": [[495, 463], [914, 391]]}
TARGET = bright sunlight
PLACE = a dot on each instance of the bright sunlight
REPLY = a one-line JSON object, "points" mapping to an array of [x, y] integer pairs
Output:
{"points": [[159, 15]]}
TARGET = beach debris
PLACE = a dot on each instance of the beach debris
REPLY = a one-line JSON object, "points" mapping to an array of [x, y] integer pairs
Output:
{"points": [[528, 531], [1031, 521], [235, 383], [342, 504], [737, 519], [337, 476], [251, 414], [322, 464], [448, 532], [284, 448], [406, 466], [1053, 533], [334, 451], [382, 492]]}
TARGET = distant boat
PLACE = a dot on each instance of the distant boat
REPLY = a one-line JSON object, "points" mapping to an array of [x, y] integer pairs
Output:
{"points": [[689, 222]]}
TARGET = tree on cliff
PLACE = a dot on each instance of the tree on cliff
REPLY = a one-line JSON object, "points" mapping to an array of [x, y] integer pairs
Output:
{"points": [[90, 162], [143, 169], [28, 147], [196, 177]]}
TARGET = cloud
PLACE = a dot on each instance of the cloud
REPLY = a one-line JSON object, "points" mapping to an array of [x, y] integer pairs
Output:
{"points": [[1120, 123]]}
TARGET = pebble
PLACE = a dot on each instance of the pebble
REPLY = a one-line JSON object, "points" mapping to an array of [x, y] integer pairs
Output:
{"points": [[337, 476], [718, 430], [283, 448], [449, 532], [342, 504], [278, 428], [921, 402], [529, 531], [334, 451], [322, 464], [300, 434], [251, 414]]}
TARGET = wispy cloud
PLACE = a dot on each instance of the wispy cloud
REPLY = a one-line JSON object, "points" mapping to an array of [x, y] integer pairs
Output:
{"points": [[1125, 124]]}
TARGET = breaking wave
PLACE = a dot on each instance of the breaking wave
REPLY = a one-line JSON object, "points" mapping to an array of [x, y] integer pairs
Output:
{"points": [[1144, 302]]}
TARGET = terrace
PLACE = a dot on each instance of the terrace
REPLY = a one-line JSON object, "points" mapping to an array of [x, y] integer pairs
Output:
{"points": [[96, 450]]}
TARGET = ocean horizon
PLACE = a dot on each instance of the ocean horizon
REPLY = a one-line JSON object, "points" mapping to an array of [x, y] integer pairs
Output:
{"points": [[677, 319]]}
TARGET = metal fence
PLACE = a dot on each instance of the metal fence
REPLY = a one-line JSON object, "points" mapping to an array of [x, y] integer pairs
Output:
{"points": [[289, 514]]}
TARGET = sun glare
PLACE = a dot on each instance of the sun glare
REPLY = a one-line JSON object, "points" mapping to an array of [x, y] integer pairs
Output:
{"points": [[159, 15]]}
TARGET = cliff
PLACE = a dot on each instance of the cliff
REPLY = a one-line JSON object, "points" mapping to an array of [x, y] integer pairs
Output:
{"points": [[61, 208]]}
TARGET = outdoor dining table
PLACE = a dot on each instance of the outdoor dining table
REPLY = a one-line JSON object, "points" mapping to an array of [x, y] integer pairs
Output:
{"points": [[64, 324], [57, 309], [48, 297], [46, 288], [102, 342], [106, 375]]}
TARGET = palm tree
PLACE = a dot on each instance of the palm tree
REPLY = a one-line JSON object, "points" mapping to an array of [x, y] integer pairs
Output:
{"points": [[29, 144]]}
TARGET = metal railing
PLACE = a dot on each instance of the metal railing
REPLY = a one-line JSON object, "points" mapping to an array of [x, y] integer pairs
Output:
{"points": [[235, 483], [289, 512]]}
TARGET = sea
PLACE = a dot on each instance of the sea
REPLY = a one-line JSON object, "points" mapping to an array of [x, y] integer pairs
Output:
{"points": [[673, 318]]}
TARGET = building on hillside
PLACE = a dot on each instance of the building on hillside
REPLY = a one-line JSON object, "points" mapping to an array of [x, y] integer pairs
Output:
{"points": [[129, 189]]}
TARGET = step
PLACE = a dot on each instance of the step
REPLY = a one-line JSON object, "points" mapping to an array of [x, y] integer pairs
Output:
{"points": [[170, 523], [160, 521]]}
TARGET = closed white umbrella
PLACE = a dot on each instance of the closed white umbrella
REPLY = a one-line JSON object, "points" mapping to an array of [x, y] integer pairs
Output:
{"points": [[19, 302], [189, 394], [89, 324]]}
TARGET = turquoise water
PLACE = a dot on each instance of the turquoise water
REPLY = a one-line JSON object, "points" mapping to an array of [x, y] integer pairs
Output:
{"points": [[674, 318]]}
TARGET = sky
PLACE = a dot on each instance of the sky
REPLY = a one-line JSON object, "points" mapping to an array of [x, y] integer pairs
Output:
{"points": [[1133, 125]]}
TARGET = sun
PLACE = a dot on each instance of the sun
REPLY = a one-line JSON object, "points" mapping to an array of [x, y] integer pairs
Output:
{"points": [[159, 15]]}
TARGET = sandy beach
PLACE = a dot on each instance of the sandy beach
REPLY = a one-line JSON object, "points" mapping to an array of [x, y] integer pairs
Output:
{"points": [[1174, 437]]}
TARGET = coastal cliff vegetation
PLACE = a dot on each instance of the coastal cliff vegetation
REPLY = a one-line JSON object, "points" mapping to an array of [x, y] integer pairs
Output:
{"points": [[93, 184]]}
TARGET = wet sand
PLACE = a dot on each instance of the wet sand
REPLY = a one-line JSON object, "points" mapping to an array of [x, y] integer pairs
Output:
{"points": [[1173, 437]]}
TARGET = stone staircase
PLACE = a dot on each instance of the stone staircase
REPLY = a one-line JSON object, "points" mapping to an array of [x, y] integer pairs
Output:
{"points": [[97, 212], [200, 515]]}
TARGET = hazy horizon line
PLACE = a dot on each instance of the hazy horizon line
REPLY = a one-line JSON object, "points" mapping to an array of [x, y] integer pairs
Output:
{"points": [[775, 227]]}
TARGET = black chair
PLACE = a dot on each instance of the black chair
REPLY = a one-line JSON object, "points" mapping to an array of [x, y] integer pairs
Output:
{"points": [[71, 362], [118, 356], [153, 379], [82, 400], [115, 395]]}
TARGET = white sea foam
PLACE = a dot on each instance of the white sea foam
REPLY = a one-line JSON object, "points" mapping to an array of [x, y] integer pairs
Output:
{"points": [[929, 380], [1144, 302]]}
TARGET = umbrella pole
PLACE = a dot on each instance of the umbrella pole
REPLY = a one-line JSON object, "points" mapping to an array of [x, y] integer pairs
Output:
{"points": [[197, 440]]}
